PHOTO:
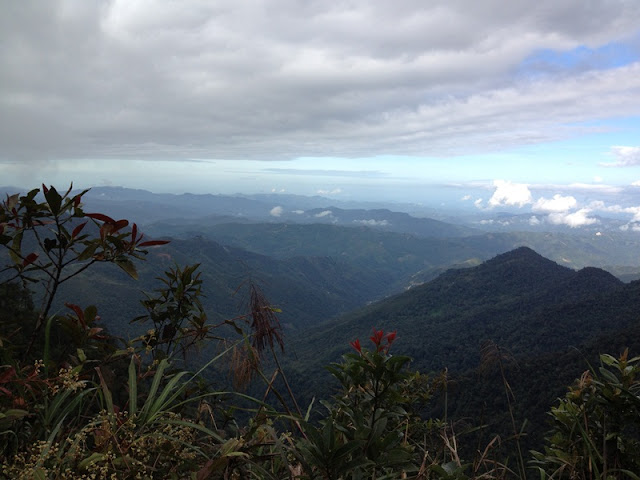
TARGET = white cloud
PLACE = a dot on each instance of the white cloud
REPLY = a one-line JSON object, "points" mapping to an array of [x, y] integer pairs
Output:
{"points": [[601, 206], [325, 213], [634, 227], [534, 220], [574, 220], [510, 194], [625, 156], [636, 183], [556, 204], [276, 211], [298, 212], [597, 179], [589, 187], [465, 198], [335, 191], [373, 223]]}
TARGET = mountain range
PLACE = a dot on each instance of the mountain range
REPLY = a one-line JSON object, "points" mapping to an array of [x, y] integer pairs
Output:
{"points": [[547, 320]]}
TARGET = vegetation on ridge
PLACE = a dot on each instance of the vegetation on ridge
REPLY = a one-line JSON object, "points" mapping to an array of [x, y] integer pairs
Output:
{"points": [[75, 401]]}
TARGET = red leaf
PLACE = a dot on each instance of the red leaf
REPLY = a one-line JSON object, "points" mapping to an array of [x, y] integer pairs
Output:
{"points": [[101, 217], [152, 243], [376, 338], [93, 332], [78, 312], [45, 189], [77, 200], [120, 224], [391, 337], [77, 230], [134, 232], [29, 259]]}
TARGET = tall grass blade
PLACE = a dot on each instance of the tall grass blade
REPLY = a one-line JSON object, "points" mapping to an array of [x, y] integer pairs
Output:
{"points": [[133, 387]]}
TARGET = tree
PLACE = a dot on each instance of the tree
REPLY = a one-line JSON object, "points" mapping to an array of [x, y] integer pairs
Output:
{"points": [[50, 240]]}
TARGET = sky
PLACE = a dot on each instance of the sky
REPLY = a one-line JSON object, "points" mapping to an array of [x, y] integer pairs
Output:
{"points": [[479, 104]]}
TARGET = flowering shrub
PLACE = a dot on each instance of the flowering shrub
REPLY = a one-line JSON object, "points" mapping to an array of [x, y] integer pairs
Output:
{"points": [[367, 432]]}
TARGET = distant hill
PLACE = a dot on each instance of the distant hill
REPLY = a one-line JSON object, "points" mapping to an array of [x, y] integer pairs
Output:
{"points": [[547, 318], [386, 220], [307, 289], [520, 300]]}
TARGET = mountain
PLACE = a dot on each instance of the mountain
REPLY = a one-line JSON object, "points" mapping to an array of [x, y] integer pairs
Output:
{"points": [[520, 300], [546, 320], [383, 219], [307, 289], [416, 255]]}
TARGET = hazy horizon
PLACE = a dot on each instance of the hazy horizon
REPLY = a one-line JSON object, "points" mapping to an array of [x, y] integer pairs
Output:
{"points": [[530, 107]]}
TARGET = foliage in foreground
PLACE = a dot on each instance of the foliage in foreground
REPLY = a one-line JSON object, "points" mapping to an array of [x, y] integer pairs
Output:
{"points": [[65, 411]]}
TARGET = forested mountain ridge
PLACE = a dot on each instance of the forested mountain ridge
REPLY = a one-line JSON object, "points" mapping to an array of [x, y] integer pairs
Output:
{"points": [[307, 289], [520, 300], [546, 319]]}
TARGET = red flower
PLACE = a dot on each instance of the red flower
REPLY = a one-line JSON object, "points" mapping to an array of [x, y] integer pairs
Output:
{"points": [[376, 338], [391, 337], [356, 345]]}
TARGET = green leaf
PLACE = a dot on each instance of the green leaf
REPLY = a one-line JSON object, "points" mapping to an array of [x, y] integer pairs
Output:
{"points": [[157, 378], [14, 413], [608, 359], [54, 200], [128, 266], [93, 458], [88, 252], [609, 376], [15, 252], [133, 387]]}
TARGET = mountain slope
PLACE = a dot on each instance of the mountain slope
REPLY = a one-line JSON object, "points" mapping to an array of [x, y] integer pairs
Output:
{"points": [[520, 300], [307, 289]]}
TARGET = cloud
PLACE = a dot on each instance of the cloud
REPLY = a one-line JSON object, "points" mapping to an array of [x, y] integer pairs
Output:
{"points": [[372, 223], [240, 80], [634, 211], [625, 156], [325, 213], [634, 227], [276, 211], [556, 204], [533, 220], [335, 191], [574, 220], [465, 198], [327, 173], [509, 194]]}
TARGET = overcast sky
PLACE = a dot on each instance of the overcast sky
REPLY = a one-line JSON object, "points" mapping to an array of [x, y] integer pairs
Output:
{"points": [[503, 103]]}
